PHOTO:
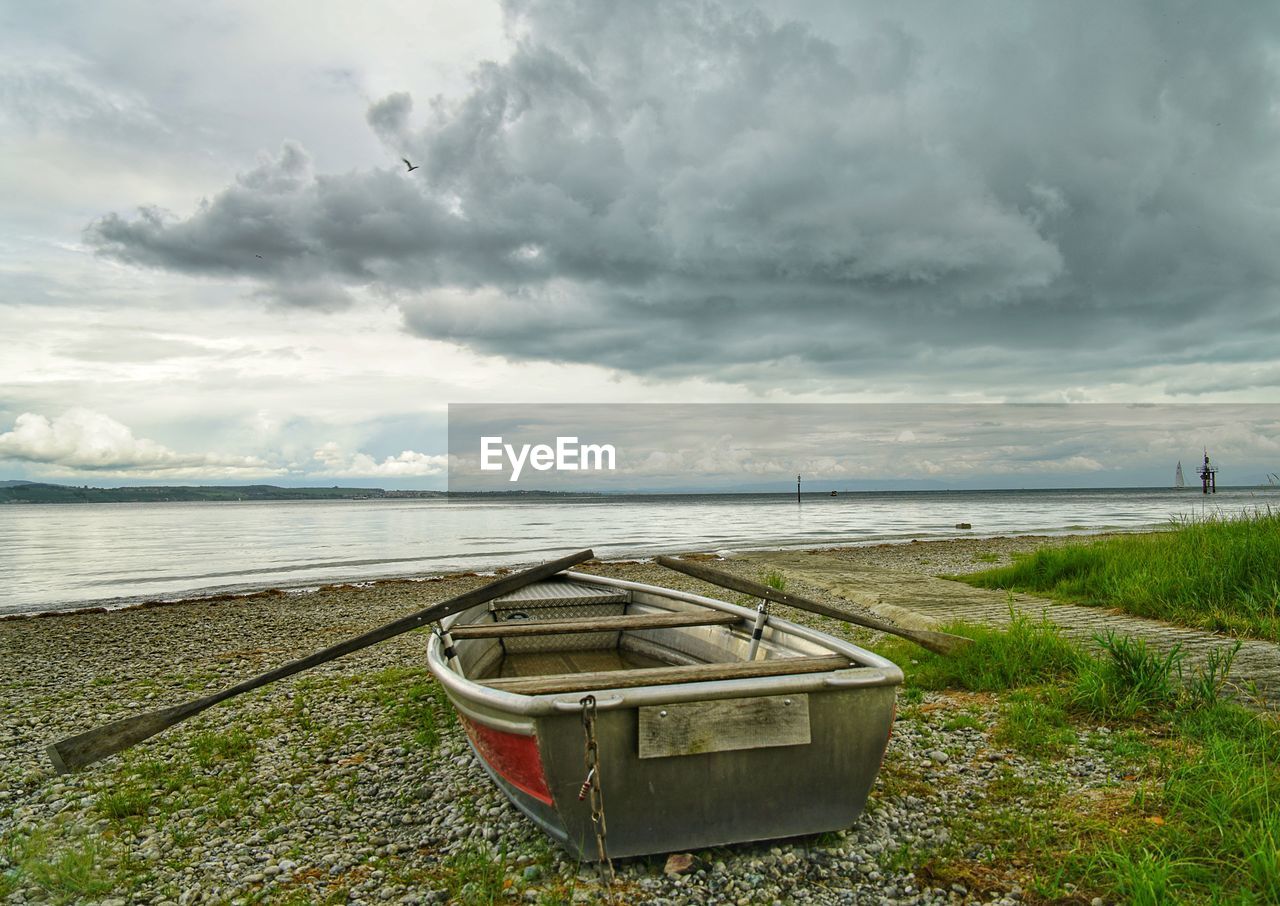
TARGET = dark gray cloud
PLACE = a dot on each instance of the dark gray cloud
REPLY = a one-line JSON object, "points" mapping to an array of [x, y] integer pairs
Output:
{"points": [[389, 118], [1018, 196]]}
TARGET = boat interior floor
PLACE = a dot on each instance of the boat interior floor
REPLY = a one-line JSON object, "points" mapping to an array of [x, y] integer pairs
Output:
{"points": [[549, 663]]}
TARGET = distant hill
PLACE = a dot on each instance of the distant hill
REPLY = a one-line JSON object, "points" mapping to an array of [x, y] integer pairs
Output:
{"points": [[34, 492], [38, 492]]}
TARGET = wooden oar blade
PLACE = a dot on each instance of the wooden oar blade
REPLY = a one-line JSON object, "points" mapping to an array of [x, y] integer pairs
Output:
{"points": [[938, 642], [77, 751]]}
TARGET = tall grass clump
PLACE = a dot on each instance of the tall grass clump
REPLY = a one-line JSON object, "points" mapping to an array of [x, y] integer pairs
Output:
{"points": [[1217, 572], [775, 579], [474, 875], [1026, 652], [119, 804], [1144, 877], [1131, 678], [1207, 685]]}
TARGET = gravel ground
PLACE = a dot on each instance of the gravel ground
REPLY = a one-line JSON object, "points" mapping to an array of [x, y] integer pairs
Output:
{"points": [[323, 788], [953, 556]]}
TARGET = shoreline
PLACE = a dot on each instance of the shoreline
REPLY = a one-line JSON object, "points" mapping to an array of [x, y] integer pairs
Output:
{"points": [[302, 589]]}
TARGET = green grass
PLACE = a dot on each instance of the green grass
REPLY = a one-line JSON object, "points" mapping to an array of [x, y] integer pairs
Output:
{"points": [[1215, 573], [1215, 817], [1209, 682], [126, 802], [771, 578], [212, 747], [74, 872], [1198, 820], [227, 804], [69, 873], [1028, 652], [1036, 725], [1129, 679], [474, 876], [413, 701], [963, 721]]}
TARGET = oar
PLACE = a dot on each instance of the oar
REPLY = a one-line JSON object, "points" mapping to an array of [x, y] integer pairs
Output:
{"points": [[941, 642], [75, 752]]}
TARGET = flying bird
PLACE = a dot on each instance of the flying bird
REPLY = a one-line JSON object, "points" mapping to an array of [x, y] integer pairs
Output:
{"points": [[409, 165]]}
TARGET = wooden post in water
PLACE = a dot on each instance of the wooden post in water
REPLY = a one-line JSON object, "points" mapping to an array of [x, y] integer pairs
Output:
{"points": [[797, 489]]}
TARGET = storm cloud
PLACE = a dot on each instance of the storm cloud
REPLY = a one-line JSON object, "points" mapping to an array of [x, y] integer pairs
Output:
{"points": [[1022, 195]]}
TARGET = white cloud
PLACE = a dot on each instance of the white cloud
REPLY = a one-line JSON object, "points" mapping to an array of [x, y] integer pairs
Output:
{"points": [[83, 441], [408, 464], [88, 441]]}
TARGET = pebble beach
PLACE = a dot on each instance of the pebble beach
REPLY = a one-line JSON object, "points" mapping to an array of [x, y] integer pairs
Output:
{"points": [[353, 783]]}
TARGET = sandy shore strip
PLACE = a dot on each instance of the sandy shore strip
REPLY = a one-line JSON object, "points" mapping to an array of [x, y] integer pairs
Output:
{"points": [[353, 783]]}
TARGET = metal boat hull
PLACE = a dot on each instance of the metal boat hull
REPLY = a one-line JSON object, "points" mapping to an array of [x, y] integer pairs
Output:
{"points": [[533, 745]]}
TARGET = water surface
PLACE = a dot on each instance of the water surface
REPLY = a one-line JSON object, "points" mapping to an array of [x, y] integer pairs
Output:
{"points": [[64, 556]]}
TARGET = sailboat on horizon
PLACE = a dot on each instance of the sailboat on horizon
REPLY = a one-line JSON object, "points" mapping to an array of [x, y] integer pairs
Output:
{"points": [[1178, 481]]}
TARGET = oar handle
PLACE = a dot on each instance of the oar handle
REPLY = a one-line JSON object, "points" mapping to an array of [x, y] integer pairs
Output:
{"points": [[941, 642], [77, 751]]}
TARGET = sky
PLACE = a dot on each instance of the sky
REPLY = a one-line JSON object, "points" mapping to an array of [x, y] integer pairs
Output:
{"points": [[764, 447], [215, 267]]}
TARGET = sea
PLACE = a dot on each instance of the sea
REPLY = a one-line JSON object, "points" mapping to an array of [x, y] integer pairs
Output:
{"points": [[68, 556]]}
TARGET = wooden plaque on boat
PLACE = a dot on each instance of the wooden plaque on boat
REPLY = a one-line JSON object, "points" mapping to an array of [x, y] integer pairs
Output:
{"points": [[724, 725]]}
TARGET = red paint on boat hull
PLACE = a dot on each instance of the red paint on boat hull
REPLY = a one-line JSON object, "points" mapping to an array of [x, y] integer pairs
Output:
{"points": [[512, 757]]}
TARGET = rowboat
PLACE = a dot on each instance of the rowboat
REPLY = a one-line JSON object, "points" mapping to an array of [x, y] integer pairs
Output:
{"points": [[681, 721]]}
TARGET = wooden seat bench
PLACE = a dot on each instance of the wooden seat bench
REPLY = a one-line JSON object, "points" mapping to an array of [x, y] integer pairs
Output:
{"points": [[657, 676], [525, 628]]}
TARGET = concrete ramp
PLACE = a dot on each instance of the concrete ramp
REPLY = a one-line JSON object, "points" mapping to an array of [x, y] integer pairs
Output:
{"points": [[938, 601]]}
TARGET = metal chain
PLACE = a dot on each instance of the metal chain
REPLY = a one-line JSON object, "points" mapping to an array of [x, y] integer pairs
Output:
{"points": [[591, 787]]}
